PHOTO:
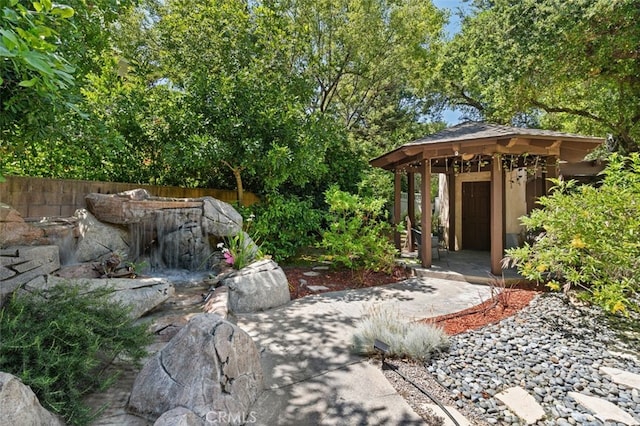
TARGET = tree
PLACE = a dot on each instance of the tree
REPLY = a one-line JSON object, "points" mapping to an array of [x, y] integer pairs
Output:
{"points": [[247, 112], [31, 71], [571, 65], [48, 51]]}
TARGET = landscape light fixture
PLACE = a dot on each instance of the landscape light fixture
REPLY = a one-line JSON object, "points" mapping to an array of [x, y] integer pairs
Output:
{"points": [[383, 349]]}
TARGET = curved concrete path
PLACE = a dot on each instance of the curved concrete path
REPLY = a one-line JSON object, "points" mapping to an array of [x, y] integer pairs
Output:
{"points": [[311, 376]]}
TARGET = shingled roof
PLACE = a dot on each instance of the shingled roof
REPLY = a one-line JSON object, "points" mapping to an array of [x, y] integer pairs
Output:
{"points": [[487, 139]]}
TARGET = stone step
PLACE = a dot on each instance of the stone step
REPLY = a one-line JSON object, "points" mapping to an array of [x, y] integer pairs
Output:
{"points": [[603, 409], [622, 377], [462, 420], [522, 404]]}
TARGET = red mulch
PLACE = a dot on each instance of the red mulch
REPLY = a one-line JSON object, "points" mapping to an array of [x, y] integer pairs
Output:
{"points": [[488, 312]]}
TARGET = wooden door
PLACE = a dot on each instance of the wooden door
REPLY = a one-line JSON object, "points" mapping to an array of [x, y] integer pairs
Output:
{"points": [[476, 215]]}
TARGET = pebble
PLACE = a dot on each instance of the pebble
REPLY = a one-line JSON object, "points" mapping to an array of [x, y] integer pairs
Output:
{"points": [[550, 348]]}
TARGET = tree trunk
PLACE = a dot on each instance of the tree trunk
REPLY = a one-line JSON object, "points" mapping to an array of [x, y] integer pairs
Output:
{"points": [[237, 175]]}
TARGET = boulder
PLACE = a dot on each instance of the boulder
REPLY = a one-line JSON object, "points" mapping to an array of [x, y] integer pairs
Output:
{"points": [[15, 231], [179, 416], [20, 266], [133, 206], [211, 367], [261, 285], [98, 240], [185, 248], [20, 406], [140, 295], [220, 218]]}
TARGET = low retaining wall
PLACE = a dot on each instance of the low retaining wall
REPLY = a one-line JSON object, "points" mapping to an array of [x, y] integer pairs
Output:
{"points": [[40, 197]]}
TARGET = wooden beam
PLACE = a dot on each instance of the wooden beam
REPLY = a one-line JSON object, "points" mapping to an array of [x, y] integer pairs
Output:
{"points": [[584, 168], [425, 191], [517, 141], [497, 216]]}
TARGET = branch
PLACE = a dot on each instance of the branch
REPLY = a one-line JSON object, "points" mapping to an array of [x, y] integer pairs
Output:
{"points": [[574, 111], [234, 169], [468, 100]]}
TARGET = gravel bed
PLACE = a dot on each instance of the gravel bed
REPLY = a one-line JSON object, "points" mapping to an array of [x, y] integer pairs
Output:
{"points": [[550, 348], [416, 372]]}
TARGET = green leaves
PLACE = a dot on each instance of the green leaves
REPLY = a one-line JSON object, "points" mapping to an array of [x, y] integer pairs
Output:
{"points": [[56, 341], [589, 237], [357, 237], [560, 64]]}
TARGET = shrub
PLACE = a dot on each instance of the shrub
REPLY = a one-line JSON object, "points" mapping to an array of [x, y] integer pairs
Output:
{"points": [[358, 234], [590, 238], [414, 340], [285, 225], [56, 343]]}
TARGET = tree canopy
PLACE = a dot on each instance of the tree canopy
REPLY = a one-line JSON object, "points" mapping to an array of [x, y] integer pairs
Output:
{"points": [[292, 96], [571, 65]]}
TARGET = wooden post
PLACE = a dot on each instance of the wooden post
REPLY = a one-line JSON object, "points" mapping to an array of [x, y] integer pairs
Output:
{"points": [[397, 208], [411, 197], [452, 243], [497, 216], [551, 173], [425, 191]]}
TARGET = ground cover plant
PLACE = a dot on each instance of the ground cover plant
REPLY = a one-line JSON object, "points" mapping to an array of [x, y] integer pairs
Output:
{"points": [[58, 343], [589, 238], [413, 340]]}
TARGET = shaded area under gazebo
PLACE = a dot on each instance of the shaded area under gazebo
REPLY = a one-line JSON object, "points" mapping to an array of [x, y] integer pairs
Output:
{"points": [[476, 161]]}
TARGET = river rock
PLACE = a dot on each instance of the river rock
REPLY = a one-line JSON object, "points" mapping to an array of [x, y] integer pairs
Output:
{"points": [[210, 367], [20, 406], [261, 285]]}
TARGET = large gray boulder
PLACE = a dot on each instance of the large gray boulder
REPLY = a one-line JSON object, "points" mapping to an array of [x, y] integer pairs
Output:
{"points": [[211, 367], [98, 240], [220, 218], [20, 406], [20, 266], [179, 416], [261, 285], [185, 248], [133, 206], [140, 295]]}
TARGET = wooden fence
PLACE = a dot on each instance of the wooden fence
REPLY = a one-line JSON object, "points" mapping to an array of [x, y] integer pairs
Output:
{"points": [[40, 197]]}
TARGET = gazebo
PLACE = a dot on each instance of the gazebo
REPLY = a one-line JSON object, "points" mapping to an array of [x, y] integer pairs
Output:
{"points": [[490, 175]]}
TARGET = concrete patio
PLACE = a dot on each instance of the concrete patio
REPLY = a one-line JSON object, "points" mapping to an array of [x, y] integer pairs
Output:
{"points": [[465, 265]]}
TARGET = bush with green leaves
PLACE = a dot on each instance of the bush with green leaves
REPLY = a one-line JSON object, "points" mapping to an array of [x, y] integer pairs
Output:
{"points": [[285, 224], [589, 238], [405, 339], [358, 234], [59, 342]]}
